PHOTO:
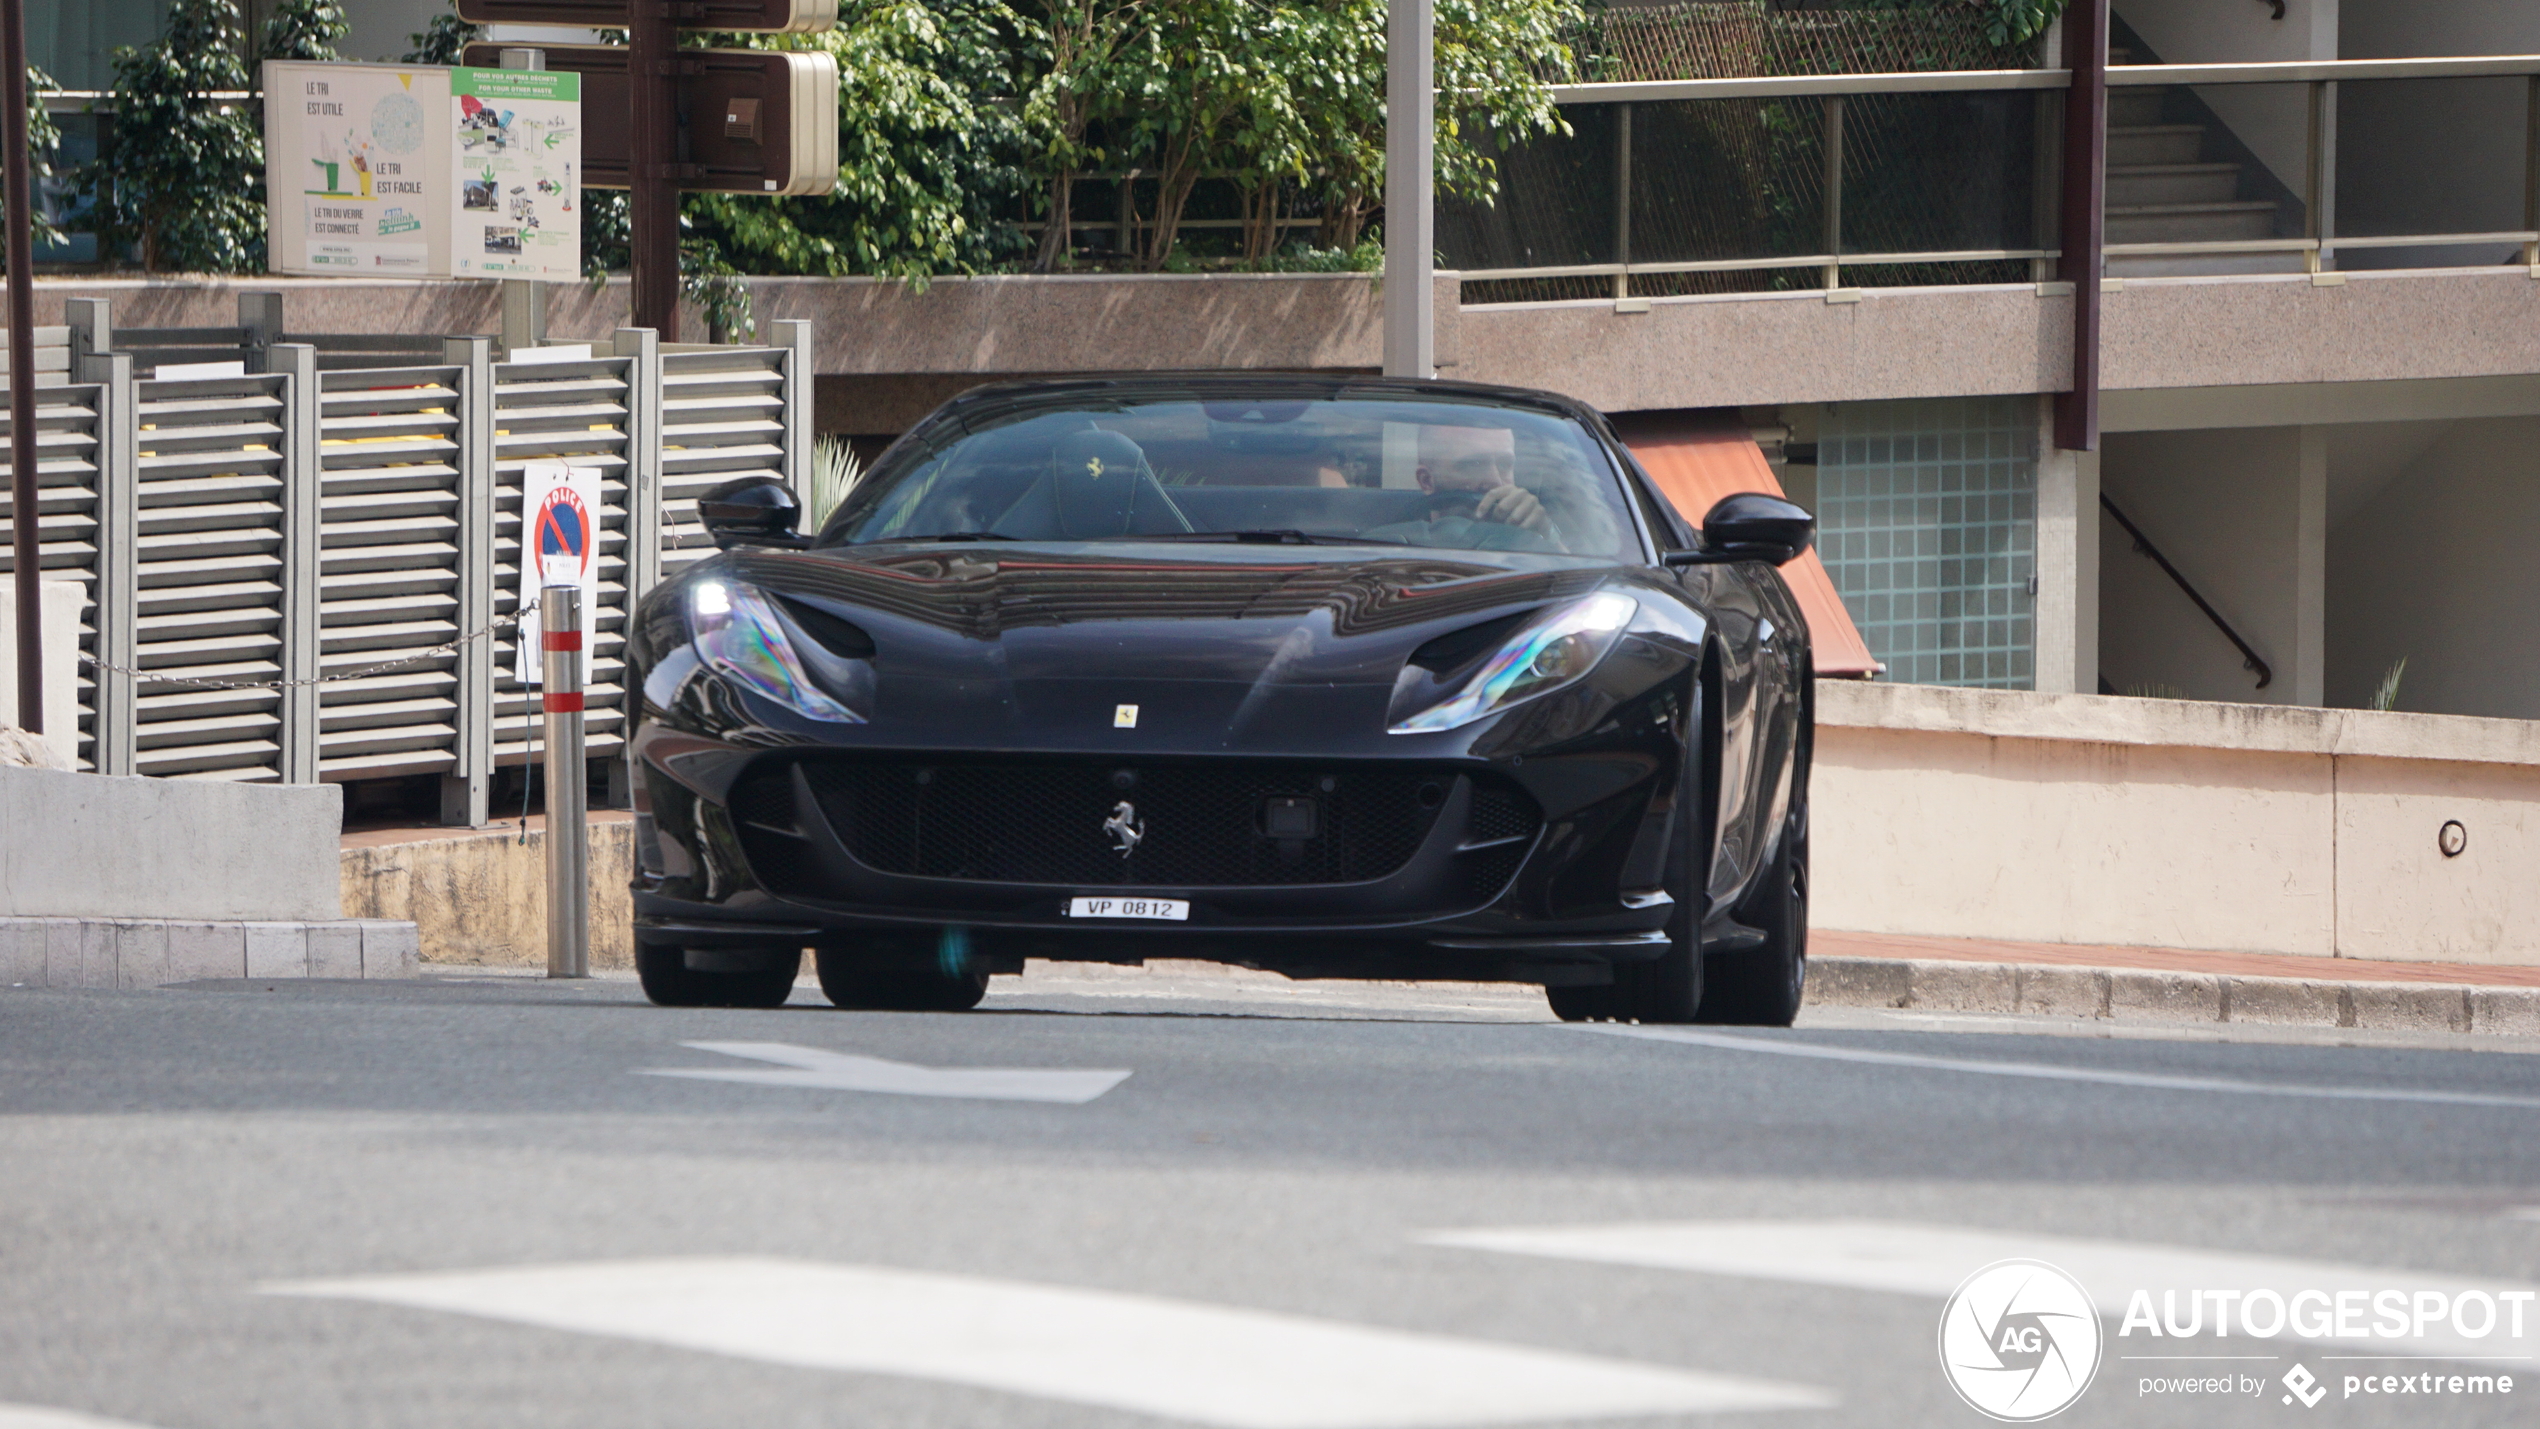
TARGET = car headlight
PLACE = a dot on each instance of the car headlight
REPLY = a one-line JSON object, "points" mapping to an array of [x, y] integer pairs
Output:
{"points": [[1546, 653], [738, 635]]}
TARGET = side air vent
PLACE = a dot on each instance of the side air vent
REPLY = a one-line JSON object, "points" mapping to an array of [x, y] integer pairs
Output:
{"points": [[842, 637]]}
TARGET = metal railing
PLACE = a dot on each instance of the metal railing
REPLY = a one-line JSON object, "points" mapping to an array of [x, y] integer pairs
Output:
{"points": [[305, 574], [1837, 95], [2250, 660], [2320, 241]]}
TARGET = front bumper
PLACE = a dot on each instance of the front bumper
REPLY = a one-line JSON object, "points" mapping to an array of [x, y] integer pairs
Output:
{"points": [[1507, 876]]}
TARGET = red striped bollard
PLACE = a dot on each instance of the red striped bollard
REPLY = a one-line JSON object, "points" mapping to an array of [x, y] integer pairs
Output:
{"points": [[568, 792]]}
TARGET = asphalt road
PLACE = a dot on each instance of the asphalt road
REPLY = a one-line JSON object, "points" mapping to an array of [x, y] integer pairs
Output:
{"points": [[1193, 1198]]}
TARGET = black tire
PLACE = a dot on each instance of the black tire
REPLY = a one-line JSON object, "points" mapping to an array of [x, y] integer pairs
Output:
{"points": [[1764, 987], [859, 989], [669, 981], [1582, 1004]]}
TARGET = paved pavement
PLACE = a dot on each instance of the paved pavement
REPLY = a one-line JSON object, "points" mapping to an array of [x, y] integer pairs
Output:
{"points": [[1186, 1197]]}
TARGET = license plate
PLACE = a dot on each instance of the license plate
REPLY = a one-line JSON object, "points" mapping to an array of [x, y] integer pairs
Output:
{"points": [[1175, 909]]}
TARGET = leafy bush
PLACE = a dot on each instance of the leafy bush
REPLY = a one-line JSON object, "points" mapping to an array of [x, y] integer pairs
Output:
{"points": [[185, 183]]}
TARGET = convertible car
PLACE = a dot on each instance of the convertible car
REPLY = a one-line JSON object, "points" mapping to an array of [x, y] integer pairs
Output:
{"points": [[1333, 676]]}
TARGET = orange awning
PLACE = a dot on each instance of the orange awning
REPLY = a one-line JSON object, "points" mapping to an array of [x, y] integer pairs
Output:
{"points": [[1697, 457]]}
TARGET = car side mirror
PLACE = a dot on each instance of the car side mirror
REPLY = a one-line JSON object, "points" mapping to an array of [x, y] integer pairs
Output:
{"points": [[750, 511], [1750, 526]]}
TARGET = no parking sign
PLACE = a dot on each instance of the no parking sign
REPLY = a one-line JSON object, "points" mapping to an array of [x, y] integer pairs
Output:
{"points": [[559, 545]]}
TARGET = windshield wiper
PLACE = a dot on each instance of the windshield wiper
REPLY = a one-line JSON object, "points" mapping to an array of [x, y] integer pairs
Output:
{"points": [[1271, 538], [961, 536]]}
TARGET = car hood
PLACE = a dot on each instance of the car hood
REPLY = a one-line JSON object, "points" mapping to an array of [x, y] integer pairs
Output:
{"points": [[1218, 646]]}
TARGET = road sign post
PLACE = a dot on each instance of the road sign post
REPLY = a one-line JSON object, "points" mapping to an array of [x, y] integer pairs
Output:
{"points": [[524, 299], [568, 784]]}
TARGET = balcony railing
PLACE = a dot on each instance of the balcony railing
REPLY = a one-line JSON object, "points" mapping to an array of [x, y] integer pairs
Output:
{"points": [[1741, 184]]}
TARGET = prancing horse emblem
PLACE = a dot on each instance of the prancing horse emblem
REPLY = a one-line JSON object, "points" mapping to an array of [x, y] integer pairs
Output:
{"points": [[1093, 467], [1125, 825]]}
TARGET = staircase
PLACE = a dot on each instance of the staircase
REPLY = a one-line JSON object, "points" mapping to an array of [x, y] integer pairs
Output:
{"points": [[2163, 189]]}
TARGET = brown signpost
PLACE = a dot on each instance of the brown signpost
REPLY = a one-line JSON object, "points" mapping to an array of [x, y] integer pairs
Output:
{"points": [[658, 159], [750, 121], [18, 191]]}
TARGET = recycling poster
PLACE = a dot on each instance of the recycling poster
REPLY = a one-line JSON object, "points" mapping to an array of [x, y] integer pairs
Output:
{"points": [[422, 171], [518, 157], [350, 169]]}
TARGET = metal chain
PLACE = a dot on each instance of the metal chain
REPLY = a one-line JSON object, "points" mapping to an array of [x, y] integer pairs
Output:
{"points": [[445, 647]]}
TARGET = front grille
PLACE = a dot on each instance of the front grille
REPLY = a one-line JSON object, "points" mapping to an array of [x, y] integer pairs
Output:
{"points": [[1199, 825]]}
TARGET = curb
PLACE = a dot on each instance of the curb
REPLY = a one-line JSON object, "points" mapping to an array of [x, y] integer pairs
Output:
{"points": [[152, 952], [2143, 995]]}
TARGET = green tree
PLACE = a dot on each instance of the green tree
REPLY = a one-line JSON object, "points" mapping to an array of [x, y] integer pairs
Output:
{"points": [[1079, 42], [1204, 89], [441, 41], [931, 143], [304, 30], [184, 182], [43, 141], [1495, 63]]}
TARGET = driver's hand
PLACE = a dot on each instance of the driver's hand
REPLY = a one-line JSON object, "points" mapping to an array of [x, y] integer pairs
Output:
{"points": [[1513, 505]]}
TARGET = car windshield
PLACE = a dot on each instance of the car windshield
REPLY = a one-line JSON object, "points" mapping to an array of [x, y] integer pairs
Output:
{"points": [[1316, 467]]}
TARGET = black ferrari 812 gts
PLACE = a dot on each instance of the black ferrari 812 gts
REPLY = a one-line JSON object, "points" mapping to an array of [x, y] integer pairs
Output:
{"points": [[1335, 676]]}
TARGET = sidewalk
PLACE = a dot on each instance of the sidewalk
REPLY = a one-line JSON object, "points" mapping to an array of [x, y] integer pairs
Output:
{"points": [[2168, 985]]}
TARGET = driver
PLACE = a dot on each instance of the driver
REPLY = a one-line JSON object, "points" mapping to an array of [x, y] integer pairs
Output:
{"points": [[1479, 463]]}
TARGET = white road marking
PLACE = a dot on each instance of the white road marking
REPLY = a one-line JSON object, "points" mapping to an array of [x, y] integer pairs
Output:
{"points": [[32, 1416], [1206, 1364], [847, 1072], [1931, 1260], [2047, 1071]]}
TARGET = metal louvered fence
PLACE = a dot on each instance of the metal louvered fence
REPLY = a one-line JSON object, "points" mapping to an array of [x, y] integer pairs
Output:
{"points": [[310, 572]]}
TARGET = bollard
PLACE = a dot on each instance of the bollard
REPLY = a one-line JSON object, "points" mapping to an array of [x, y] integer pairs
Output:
{"points": [[568, 794]]}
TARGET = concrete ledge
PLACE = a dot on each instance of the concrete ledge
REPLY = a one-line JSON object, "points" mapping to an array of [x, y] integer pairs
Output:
{"points": [[2188, 724], [480, 895], [2138, 995], [152, 952], [94, 847]]}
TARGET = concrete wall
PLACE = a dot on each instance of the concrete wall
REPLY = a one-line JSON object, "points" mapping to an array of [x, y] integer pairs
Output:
{"points": [[2084, 819], [62, 602], [481, 897], [2242, 513], [83, 845], [2439, 568], [1757, 349]]}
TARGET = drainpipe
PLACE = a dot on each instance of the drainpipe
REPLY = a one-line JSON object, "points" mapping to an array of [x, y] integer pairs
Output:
{"points": [[1410, 183], [2085, 27]]}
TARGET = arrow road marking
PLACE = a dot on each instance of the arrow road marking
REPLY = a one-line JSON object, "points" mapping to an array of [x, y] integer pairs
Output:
{"points": [[847, 1072], [1931, 1260], [1174, 1359], [2047, 1071], [30, 1416]]}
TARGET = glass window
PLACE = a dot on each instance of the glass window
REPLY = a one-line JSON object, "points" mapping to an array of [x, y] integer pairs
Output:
{"points": [[1385, 469], [1927, 521]]}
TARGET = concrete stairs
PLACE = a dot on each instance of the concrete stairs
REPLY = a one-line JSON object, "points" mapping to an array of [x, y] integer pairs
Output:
{"points": [[2162, 189]]}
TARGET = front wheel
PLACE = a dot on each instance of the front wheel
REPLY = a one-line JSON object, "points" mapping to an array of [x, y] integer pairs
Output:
{"points": [[858, 988], [1665, 989], [760, 981], [1763, 988]]}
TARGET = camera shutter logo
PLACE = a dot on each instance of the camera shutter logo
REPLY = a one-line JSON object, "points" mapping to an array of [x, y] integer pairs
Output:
{"points": [[2020, 1341]]}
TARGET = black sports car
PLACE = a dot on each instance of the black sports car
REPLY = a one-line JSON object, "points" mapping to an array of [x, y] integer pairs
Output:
{"points": [[1334, 676]]}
